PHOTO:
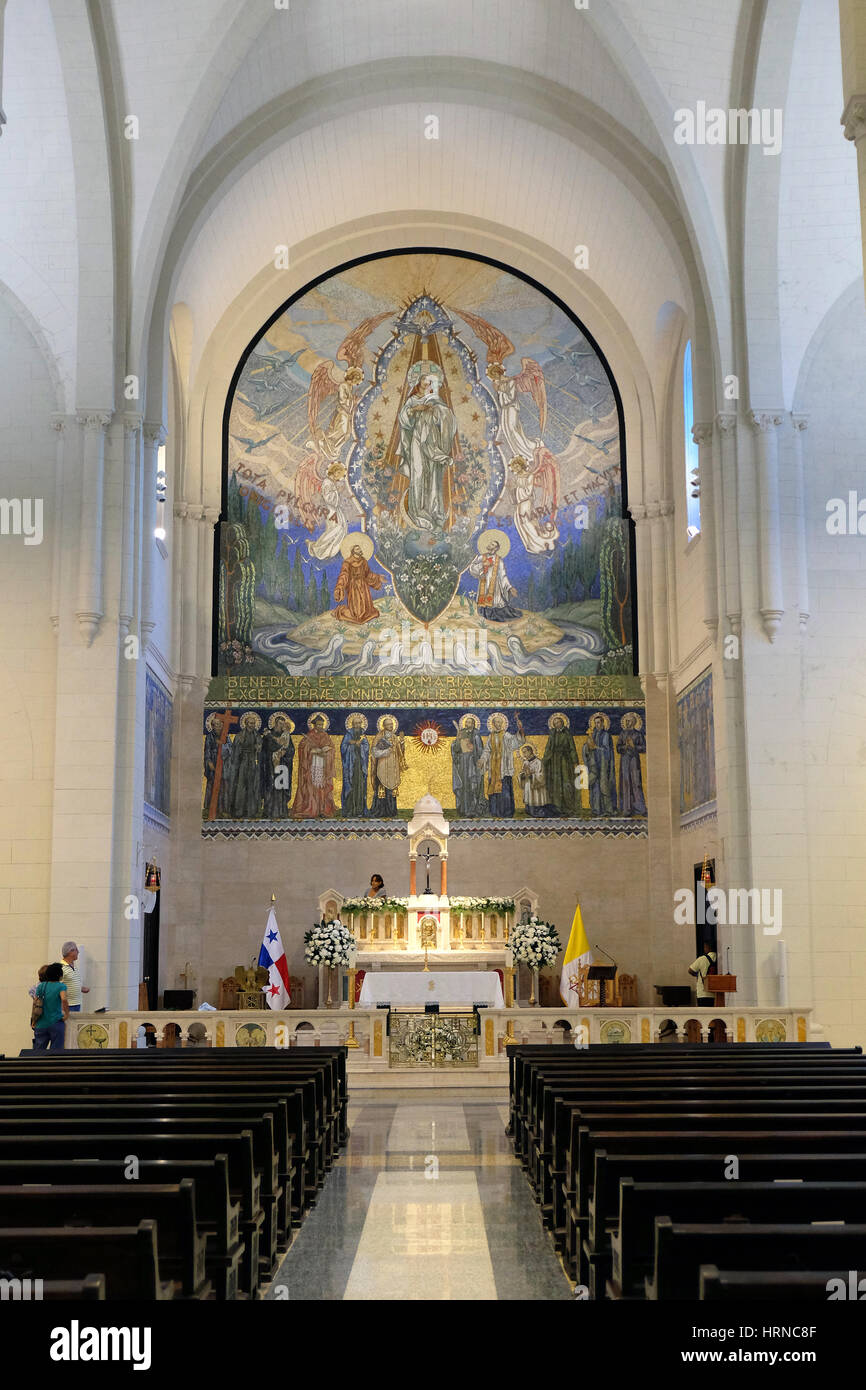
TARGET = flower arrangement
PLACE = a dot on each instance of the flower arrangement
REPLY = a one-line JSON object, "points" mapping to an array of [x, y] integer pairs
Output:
{"points": [[535, 943], [501, 905], [329, 943], [352, 906]]}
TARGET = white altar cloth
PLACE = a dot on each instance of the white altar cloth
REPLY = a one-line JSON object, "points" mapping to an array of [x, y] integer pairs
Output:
{"points": [[433, 987]]}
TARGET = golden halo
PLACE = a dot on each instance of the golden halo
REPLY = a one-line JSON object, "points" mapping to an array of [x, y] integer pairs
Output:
{"points": [[559, 715], [319, 714], [630, 714], [389, 718], [494, 535], [605, 719], [528, 748], [250, 714], [359, 538], [497, 714], [469, 721], [208, 723], [279, 715], [351, 719]]}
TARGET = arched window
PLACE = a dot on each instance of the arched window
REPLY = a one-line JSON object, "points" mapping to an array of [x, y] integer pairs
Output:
{"points": [[693, 500]]}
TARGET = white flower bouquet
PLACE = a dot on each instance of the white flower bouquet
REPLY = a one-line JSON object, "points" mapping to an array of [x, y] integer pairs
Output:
{"points": [[535, 943], [502, 905], [329, 943]]}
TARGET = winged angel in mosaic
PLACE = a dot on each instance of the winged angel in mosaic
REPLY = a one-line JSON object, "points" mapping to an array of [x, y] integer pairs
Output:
{"points": [[380, 407]]}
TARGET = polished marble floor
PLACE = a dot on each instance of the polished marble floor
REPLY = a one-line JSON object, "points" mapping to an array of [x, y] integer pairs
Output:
{"points": [[426, 1202]]}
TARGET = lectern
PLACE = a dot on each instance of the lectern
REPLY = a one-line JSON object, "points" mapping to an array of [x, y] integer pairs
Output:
{"points": [[602, 973], [719, 986]]}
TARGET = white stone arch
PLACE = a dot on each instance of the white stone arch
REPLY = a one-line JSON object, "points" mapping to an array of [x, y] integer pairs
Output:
{"points": [[713, 322], [34, 328], [761, 185], [822, 334], [537, 101], [84, 87]]}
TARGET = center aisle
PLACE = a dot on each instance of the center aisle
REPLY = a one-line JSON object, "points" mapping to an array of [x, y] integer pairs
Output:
{"points": [[427, 1202]]}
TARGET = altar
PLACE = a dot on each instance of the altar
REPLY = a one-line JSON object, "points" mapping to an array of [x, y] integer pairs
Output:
{"points": [[431, 987]]}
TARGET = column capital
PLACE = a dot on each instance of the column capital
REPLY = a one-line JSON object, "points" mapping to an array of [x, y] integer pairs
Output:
{"points": [[702, 434], [59, 423], [132, 420], [726, 421], [765, 420], [800, 422], [93, 419], [666, 508], [637, 511], [211, 515], [853, 118], [155, 433]]}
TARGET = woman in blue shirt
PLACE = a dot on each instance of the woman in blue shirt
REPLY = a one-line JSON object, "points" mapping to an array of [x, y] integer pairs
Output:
{"points": [[51, 1028]]}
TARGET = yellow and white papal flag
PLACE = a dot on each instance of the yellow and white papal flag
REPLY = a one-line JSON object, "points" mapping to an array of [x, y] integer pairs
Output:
{"points": [[577, 953]]}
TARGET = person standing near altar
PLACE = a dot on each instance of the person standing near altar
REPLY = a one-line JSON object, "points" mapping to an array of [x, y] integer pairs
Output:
{"points": [[314, 798], [497, 762], [377, 887], [354, 753]]}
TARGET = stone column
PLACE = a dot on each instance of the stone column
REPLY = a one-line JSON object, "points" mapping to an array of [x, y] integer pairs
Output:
{"points": [[90, 610], [703, 437], [666, 512], [154, 437], [643, 586], [209, 516], [852, 20], [800, 423], [658, 552], [730, 538], [128, 611], [771, 596], [59, 425]]}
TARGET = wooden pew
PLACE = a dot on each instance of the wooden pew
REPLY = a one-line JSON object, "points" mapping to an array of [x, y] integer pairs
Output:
{"points": [[218, 1216], [113, 1119], [306, 1119], [126, 1257], [172, 1207], [682, 1248], [198, 1101], [560, 1181], [777, 1285], [792, 1203], [714, 1142], [244, 1178], [89, 1289]]}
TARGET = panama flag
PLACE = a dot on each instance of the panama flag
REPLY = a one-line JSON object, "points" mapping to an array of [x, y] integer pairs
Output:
{"points": [[273, 958], [577, 954]]}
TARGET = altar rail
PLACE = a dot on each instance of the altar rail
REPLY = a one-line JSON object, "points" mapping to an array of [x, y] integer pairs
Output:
{"points": [[499, 1027]]}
